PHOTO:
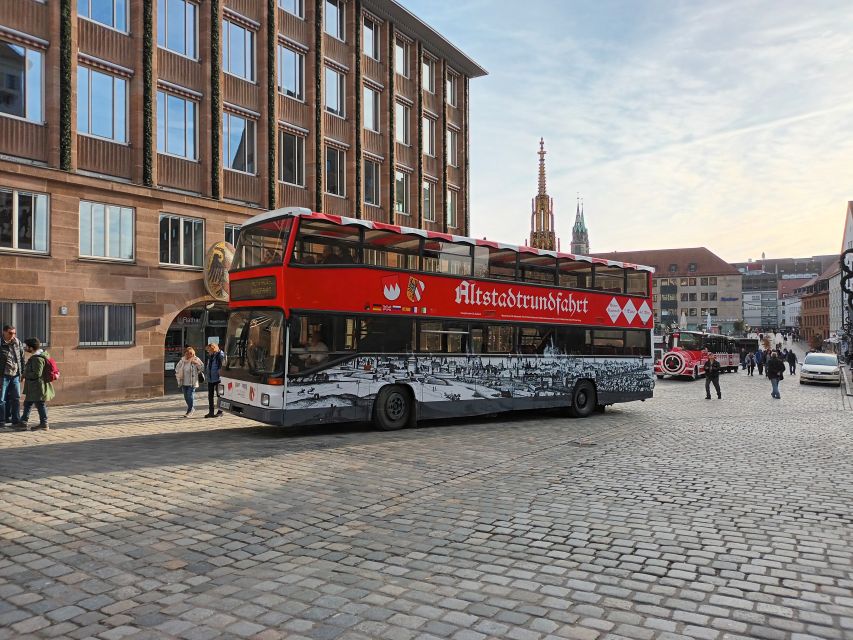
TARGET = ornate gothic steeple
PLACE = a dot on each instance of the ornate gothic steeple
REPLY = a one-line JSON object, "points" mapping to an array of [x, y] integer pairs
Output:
{"points": [[580, 235], [542, 234]]}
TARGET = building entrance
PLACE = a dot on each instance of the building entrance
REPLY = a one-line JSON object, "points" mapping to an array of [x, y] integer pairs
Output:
{"points": [[195, 327]]}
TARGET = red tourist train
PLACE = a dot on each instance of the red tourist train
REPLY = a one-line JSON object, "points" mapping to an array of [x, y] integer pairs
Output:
{"points": [[684, 354]]}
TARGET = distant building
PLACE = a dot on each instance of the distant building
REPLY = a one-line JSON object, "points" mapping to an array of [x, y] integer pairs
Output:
{"points": [[542, 234], [789, 302], [815, 315], [761, 301], [693, 282], [788, 268]]}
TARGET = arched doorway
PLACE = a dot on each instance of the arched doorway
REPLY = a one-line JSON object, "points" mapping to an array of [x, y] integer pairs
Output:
{"points": [[196, 326]]}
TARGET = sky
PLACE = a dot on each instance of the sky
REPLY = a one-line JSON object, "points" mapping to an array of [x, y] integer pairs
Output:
{"points": [[724, 124]]}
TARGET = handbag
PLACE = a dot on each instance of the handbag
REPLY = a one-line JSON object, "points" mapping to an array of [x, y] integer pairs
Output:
{"points": [[201, 377]]}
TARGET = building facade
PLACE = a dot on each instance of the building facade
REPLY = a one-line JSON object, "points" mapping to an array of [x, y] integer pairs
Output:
{"points": [[542, 232], [789, 302], [688, 286], [132, 139], [761, 301], [815, 307]]}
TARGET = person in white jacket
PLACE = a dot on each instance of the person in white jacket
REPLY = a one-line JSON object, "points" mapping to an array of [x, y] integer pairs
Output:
{"points": [[187, 371]]}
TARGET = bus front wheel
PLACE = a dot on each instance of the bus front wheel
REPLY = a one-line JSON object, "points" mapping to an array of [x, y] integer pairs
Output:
{"points": [[583, 400], [393, 408]]}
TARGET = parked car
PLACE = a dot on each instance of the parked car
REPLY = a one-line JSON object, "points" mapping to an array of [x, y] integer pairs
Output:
{"points": [[821, 368]]}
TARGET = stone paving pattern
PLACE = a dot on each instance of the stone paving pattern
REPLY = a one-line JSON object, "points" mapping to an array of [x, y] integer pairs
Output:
{"points": [[674, 518]]}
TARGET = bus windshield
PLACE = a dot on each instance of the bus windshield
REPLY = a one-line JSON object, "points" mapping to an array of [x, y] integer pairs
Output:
{"points": [[255, 346], [262, 244]]}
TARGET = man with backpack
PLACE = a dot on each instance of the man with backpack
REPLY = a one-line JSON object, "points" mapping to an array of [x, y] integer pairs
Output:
{"points": [[12, 367], [39, 373]]}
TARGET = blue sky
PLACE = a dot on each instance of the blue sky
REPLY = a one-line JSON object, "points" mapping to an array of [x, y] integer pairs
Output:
{"points": [[726, 124]]}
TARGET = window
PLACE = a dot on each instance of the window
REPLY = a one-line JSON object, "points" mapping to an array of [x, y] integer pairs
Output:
{"points": [[691, 311], [392, 250], [429, 201], [401, 192], [691, 282], [291, 72], [537, 269], [262, 244], [336, 161], [452, 147], [371, 183], [176, 26], [101, 105], [293, 7], [712, 296], [232, 234], [704, 297], [684, 297], [371, 109], [428, 75], [683, 282], [23, 220], [326, 243], [501, 264], [335, 18], [106, 231], [429, 136], [181, 241], [238, 143], [673, 268], [370, 38], [446, 257], [21, 89], [452, 207], [451, 90], [106, 325], [291, 153], [638, 283], [401, 117], [712, 281], [692, 297], [691, 267], [609, 279], [334, 92], [176, 126], [31, 319], [713, 311], [401, 58], [703, 282], [111, 13], [574, 274], [238, 50]]}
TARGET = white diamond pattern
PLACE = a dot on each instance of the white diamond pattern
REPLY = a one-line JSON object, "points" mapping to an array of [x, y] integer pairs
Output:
{"points": [[645, 313], [630, 311], [613, 309]]}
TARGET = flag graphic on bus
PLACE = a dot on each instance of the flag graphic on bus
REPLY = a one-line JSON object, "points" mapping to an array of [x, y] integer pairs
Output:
{"points": [[414, 289]]}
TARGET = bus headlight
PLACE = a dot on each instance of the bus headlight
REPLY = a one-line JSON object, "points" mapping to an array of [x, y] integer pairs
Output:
{"points": [[220, 389], [265, 399]]}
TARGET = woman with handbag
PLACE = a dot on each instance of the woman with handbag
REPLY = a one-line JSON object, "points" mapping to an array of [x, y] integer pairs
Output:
{"points": [[189, 371]]}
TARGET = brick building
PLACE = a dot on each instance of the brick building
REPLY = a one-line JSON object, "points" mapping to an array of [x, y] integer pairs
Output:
{"points": [[814, 306], [134, 134]]}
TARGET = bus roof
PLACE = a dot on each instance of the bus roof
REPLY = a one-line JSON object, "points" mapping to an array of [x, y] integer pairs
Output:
{"points": [[300, 212]]}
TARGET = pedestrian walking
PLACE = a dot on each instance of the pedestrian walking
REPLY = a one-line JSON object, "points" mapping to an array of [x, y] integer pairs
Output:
{"points": [[12, 365], [750, 363], [712, 376], [776, 373], [743, 358], [38, 390], [187, 371], [214, 364], [792, 362], [759, 361]]}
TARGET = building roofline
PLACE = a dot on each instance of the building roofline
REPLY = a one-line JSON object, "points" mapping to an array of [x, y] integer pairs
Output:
{"points": [[407, 22]]}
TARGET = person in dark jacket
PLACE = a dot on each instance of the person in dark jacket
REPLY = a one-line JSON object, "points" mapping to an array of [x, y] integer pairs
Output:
{"points": [[214, 364], [792, 361], [38, 392], [11, 372], [750, 363], [712, 376], [776, 373], [743, 358], [759, 361]]}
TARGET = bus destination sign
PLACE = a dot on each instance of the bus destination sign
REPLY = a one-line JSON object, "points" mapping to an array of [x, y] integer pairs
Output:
{"points": [[253, 288]]}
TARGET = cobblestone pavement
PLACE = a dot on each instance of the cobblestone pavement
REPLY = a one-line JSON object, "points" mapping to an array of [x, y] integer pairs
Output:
{"points": [[674, 518]]}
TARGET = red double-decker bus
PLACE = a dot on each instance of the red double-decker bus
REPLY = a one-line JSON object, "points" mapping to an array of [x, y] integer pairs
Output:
{"points": [[336, 319], [685, 353]]}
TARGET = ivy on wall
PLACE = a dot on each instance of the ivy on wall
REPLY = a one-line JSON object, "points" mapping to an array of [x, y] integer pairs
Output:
{"points": [[444, 154], [420, 152], [319, 51], [147, 94], [272, 121], [392, 144], [359, 96], [65, 85], [215, 100], [467, 181]]}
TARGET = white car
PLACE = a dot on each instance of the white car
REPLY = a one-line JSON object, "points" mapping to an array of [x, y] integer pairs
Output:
{"points": [[822, 368]]}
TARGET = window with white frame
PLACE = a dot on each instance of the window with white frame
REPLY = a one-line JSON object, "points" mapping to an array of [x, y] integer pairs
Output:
{"points": [[452, 147], [110, 13], [429, 136], [371, 109], [401, 191], [429, 200], [293, 7], [401, 122], [336, 162], [106, 325], [101, 104], [31, 319], [181, 240], [21, 82], [451, 89], [334, 92], [370, 38], [428, 74], [291, 72], [291, 150], [371, 183], [238, 143], [238, 50], [177, 27], [24, 220], [106, 231], [401, 57], [334, 18], [232, 234], [176, 126], [451, 204]]}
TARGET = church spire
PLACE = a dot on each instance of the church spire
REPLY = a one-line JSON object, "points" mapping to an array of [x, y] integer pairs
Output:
{"points": [[542, 152], [580, 234], [542, 234]]}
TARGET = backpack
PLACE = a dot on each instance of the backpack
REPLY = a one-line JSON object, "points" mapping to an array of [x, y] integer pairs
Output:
{"points": [[50, 373]]}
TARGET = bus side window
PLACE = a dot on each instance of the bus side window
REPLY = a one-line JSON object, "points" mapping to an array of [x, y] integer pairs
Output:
{"points": [[607, 342], [481, 262], [609, 279], [574, 341], [537, 269], [322, 242], [638, 283], [637, 342], [391, 250], [502, 264], [385, 335], [574, 274]]}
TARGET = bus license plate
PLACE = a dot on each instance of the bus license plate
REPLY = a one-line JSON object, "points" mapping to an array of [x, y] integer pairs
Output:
{"points": [[224, 404]]}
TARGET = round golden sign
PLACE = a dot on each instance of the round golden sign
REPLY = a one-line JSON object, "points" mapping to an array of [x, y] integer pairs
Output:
{"points": [[217, 262]]}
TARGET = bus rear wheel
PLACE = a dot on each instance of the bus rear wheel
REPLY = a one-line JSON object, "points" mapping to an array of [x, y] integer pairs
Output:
{"points": [[584, 400], [393, 408]]}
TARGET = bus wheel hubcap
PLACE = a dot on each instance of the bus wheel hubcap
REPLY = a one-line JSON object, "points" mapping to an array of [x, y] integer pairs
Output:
{"points": [[582, 399], [396, 406]]}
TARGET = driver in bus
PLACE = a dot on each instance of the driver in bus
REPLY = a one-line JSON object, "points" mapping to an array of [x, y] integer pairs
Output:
{"points": [[316, 353]]}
